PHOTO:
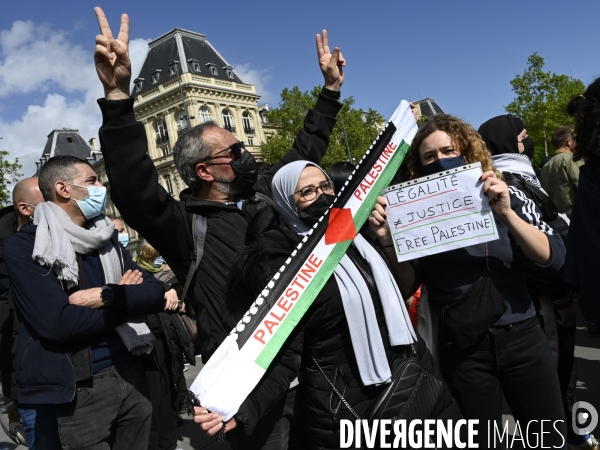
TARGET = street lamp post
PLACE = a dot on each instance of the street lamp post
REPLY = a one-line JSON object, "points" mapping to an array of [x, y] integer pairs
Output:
{"points": [[350, 159], [187, 116]]}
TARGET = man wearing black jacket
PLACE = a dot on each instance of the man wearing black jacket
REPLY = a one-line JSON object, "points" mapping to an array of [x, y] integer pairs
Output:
{"points": [[222, 179], [210, 160], [75, 291]]}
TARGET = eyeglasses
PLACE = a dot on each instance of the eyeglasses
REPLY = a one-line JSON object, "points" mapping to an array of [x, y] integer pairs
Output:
{"points": [[309, 193], [234, 151]]}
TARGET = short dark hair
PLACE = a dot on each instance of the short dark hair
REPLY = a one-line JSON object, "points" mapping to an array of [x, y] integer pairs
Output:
{"points": [[561, 135], [58, 168], [339, 173]]}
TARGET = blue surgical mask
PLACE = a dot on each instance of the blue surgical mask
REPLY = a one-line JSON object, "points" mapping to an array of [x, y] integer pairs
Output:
{"points": [[159, 261], [124, 239], [439, 165], [95, 202]]}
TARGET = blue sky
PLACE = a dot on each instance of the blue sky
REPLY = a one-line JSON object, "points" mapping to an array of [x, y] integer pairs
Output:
{"points": [[462, 53]]}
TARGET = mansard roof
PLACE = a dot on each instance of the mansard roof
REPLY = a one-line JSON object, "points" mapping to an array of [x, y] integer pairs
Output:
{"points": [[66, 141], [194, 53], [429, 107]]}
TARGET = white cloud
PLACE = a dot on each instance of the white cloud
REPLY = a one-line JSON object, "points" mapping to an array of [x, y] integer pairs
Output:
{"points": [[257, 77], [37, 59]]}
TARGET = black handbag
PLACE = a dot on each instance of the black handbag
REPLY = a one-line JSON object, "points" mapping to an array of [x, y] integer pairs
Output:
{"points": [[417, 391], [467, 319]]}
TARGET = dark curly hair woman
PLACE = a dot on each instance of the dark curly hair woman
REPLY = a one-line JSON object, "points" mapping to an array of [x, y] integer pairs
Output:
{"points": [[508, 354]]}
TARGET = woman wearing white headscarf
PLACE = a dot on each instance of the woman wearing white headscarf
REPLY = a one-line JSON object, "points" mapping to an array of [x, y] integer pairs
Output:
{"points": [[354, 331]]}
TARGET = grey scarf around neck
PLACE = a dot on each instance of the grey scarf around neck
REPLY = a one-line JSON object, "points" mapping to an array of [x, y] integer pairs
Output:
{"points": [[57, 241], [358, 305]]}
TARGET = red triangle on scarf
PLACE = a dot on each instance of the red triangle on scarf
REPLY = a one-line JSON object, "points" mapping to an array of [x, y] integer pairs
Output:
{"points": [[341, 226]]}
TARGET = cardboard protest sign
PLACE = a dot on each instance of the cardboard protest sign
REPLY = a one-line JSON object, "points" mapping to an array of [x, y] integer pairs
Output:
{"points": [[242, 359], [440, 212]]}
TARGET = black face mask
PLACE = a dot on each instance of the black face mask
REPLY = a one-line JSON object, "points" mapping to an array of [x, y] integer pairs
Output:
{"points": [[439, 165], [529, 147], [313, 212], [246, 172]]}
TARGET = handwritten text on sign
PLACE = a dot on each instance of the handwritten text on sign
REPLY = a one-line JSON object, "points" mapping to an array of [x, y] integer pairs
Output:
{"points": [[440, 212]]}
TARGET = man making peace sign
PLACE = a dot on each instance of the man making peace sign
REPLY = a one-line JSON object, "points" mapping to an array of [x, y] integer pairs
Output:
{"points": [[221, 175]]}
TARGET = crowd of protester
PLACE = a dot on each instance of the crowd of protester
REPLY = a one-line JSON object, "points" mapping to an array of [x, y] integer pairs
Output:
{"points": [[95, 340]]}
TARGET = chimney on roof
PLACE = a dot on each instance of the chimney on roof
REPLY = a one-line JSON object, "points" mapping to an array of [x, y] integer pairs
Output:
{"points": [[93, 144]]}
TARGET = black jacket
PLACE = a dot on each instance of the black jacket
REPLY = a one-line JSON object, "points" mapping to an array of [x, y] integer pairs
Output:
{"points": [[582, 264], [53, 347], [9, 325], [323, 334], [450, 274], [167, 223]]}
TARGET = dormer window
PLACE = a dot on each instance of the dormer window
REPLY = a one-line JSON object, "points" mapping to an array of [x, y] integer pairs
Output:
{"points": [[155, 75], [213, 68], [172, 70], [195, 64], [139, 83], [228, 71]]}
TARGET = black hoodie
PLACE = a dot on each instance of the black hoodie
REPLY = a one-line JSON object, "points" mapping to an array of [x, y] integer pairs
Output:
{"points": [[500, 135]]}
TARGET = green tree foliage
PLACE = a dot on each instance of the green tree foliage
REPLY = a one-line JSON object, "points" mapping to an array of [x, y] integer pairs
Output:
{"points": [[362, 127], [9, 174], [541, 102]]}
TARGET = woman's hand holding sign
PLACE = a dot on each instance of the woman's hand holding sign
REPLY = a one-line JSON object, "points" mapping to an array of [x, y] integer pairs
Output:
{"points": [[379, 224], [498, 194], [211, 423]]}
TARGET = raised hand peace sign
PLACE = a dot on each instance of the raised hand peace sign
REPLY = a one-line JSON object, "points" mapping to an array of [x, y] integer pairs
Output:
{"points": [[112, 57], [331, 63]]}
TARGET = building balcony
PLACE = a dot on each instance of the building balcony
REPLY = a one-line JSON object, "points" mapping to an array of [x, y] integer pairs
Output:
{"points": [[164, 139], [181, 130], [249, 130], [229, 128]]}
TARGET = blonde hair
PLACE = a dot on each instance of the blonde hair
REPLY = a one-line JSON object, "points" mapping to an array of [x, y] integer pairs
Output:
{"points": [[466, 140], [146, 252]]}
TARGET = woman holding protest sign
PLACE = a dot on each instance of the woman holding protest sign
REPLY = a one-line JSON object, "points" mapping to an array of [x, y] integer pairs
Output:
{"points": [[363, 296], [490, 342]]}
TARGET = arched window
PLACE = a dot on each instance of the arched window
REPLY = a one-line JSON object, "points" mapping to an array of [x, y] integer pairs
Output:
{"points": [[162, 135], [182, 122], [248, 123], [227, 120], [205, 114]]}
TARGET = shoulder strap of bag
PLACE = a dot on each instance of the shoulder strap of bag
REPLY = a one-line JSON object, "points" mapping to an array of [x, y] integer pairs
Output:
{"points": [[336, 391], [265, 198], [199, 226]]}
